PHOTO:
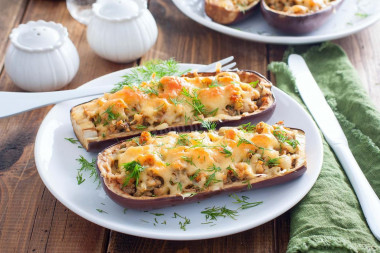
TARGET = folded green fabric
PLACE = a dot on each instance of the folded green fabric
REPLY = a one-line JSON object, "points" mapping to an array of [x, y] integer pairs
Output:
{"points": [[329, 218]]}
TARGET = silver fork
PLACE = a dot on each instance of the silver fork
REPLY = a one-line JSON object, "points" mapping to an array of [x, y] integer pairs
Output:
{"points": [[12, 103]]}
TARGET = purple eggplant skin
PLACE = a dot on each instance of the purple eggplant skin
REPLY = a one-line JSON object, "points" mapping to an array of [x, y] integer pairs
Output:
{"points": [[150, 203], [298, 24], [262, 114]]}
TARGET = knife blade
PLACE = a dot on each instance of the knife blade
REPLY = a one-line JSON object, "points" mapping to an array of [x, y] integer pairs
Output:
{"points": [[331, 129]]}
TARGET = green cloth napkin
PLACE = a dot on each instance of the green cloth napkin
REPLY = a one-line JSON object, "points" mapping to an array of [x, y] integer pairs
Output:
{"points": [[329, 218]]}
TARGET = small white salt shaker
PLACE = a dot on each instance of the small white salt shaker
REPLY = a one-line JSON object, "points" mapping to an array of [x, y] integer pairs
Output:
{"points": [[121, 30], [41, 57]]}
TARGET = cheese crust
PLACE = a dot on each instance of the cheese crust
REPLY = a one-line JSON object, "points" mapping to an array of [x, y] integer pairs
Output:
{"points": [[191, 163], [298, 6]]}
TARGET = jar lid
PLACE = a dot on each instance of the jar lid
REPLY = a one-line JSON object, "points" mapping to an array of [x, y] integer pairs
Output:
{"points": [[119, 10], [37, 36]]}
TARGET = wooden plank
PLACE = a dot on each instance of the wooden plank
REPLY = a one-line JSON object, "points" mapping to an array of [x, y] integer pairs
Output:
{"points": [[253, 240], [189, 42], [11, 13], [362, 50]]}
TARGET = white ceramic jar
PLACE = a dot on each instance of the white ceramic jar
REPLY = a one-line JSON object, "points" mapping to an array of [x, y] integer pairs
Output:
{"points": [[41, 57], [121, 30]]}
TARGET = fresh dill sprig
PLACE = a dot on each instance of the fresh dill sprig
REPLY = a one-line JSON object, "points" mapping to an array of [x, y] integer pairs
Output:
{"points": [[248, 127], [183, 140], [154, 69], [182, 225], [225, 151], [188, 160], [209, 125], [273, 162], [212, 213], [192, 177], [87, 166], [72, 140], [243, 201], [254, 84], [245, 141], [133, 169], [281, 136]]}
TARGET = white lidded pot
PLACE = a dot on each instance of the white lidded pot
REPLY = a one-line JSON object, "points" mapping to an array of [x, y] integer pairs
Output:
{"points": [[121, 30], [41, 57]]}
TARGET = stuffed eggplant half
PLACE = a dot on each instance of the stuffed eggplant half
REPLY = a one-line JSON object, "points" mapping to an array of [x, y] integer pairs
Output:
{"points": [[229, 11], [149, 172], [173, 103]]}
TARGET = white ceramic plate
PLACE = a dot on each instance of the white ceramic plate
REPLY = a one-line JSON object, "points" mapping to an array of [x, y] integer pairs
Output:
{"points": [[352, 17], [56, 163]]}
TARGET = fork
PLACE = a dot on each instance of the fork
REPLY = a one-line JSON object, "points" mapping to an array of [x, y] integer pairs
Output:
{"points": [[16, 102]]}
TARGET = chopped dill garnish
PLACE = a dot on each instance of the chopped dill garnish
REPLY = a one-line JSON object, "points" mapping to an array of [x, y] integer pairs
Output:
{"points": [[175, 101], [111, 115], [192, 177], [248, 127], [141, 127], [249, 186], [208, 124], [158, 214], [87, 166], [211, 179], [225, 151], [182, 140], [133, 169], [182, 225], [154, 69], [179, 186], [245, 141], [188, 160], [281, 136], [212, 213], [254, 84], [214, 84], [72, 140], [149, 90], [196, 103], [80, 178], [232, 170], [243, 201], [273, 162], [101, 211]]}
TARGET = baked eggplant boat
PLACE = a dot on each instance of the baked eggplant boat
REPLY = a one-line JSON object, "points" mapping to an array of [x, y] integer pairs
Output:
{"points": [[298, 16], [150, 172], [173, 103], [229, 11]]}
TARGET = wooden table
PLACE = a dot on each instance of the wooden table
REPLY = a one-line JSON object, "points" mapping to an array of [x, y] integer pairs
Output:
{"points": [[32, 220]]}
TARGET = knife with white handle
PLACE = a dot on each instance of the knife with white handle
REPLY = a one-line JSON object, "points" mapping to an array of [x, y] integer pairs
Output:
{"points": [[329, 125]]}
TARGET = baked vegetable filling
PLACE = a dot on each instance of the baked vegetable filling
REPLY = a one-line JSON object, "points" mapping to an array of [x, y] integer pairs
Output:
{"points": [[189, 163], [172, 101], [298, 6]]}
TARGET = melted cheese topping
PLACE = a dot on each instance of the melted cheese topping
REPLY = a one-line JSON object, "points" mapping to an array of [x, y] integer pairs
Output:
{"points": [[298, 6], [171, 101], [188, 163]]}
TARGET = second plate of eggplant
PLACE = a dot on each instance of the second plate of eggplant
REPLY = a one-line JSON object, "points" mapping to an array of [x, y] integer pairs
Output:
{"points": [[60, 165], [351, 17]]}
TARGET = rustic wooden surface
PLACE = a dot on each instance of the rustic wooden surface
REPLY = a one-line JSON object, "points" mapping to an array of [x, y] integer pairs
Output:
{"points": [[32, 220]]}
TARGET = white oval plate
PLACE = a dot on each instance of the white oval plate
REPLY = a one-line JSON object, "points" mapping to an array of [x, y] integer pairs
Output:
{"points": [[352, 17], [56, 163]]}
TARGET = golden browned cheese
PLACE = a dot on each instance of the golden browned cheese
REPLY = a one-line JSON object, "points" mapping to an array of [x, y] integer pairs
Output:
{"points": [[189, 163], [155, 105]]}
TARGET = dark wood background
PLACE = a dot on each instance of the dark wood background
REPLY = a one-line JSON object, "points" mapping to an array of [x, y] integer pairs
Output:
{"points": [[32, 220]]}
